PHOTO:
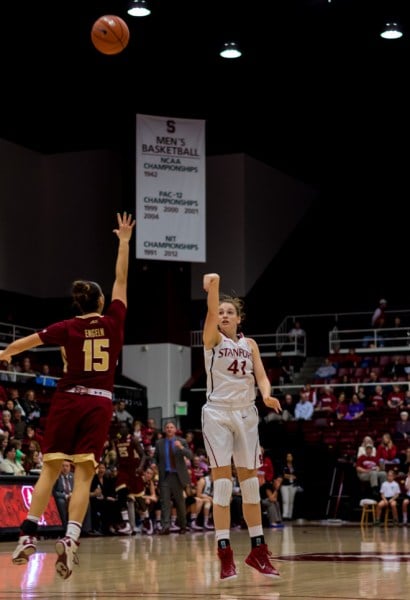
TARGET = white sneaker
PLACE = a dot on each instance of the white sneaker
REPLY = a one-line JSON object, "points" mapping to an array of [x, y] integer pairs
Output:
{"points": [[66, 549], [26, 546], [147, 527], [125, 529], [158, 527], [195, 527], [174, 528]]}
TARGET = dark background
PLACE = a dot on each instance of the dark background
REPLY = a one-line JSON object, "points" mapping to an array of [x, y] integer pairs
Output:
{"points": [[317, 94]]}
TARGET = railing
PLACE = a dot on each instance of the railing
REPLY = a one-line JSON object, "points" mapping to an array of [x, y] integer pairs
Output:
{"points": [[133, 396], [9, 333], [370, 340]]}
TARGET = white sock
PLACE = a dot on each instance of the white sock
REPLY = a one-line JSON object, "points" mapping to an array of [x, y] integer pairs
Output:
{"points": [[222, 534], [255, 531], [73, 530]]}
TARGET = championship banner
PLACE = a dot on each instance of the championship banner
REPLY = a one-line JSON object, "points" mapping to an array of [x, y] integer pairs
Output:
{"points": [[170, 189]]}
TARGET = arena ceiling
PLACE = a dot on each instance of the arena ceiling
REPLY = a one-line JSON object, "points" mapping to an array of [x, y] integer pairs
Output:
{"points": [[317, 92]]}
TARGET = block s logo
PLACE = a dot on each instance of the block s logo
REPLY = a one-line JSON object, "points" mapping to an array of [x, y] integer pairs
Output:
{"points": [[171, 126]]}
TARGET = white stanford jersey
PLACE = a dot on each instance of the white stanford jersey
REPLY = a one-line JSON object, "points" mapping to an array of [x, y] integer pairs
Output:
{"points": [[229, 370]]}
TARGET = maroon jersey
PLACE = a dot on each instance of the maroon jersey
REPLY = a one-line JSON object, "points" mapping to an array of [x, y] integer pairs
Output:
{"points": [[130, 457], [91, 347]]}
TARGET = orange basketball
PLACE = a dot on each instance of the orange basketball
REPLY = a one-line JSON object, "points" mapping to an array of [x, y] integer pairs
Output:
{"points": [[110, 34]]}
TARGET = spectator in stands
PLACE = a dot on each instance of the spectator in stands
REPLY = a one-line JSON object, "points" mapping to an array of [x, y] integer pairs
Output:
{"points": [[402, 427], [405, 460], [389, 492], [4, 440], [342, 406], [327, 402], [395, 369], [406, 500], [378, 399], [44, 378], [311, 392], [346, 385], [103, 501], [362, 394], [326, 370], [9, 465], [395, 398], [19, 424], [289, 486], [63, 489], [20, 456], [205, 492], [31, 408], [386, 451], [297, 335], [190, 440], [367, 469], [351, 359], [269, 493], [35, 465], [26, 370], [137, 430], [378, 316], [266, 471], [334, 344], [288, 410], [288, 407], [121, 413], [281, 369], [355, 409], [32, 434], [33, 456], [304, 408], [14, 395], [406, 402], [4, 371], [6, 423], [367, 441]]}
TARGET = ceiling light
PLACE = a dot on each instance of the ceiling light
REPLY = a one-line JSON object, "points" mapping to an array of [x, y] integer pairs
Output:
{"points": [[230, 50], [391, 31], [139, 8]]}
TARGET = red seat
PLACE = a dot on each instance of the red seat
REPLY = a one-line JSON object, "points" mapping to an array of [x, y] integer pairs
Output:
{"points": [[384, 360]]}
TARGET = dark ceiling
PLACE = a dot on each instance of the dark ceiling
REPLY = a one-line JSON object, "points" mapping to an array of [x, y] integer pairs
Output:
{"points": [[316, 93]]}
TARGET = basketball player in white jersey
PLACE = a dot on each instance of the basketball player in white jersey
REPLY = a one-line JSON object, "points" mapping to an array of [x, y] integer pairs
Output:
{"points": [[230, 424]]}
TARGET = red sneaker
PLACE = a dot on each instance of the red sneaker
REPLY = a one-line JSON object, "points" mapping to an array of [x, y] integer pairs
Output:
{"points": [[228, 568], [260, 559]]}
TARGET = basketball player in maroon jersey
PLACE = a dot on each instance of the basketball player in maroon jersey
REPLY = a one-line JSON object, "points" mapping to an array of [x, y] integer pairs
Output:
{"points": [[129, 485], [81, 408]]}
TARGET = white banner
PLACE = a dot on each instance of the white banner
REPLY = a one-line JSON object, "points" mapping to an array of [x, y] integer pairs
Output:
{"points": [[170, 189]]}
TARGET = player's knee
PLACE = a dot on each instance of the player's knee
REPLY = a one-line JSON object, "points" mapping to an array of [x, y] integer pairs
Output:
{"points": [[222, 491], [250, 490]]}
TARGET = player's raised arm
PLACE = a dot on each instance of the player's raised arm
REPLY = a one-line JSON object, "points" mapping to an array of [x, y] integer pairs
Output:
{"points": [[124, 232]]}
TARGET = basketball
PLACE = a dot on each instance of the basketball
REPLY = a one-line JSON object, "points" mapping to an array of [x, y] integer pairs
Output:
{"points": [[110, 34]]}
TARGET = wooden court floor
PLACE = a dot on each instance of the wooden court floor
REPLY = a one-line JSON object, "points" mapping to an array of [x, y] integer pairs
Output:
{"points": [[318, 562]]}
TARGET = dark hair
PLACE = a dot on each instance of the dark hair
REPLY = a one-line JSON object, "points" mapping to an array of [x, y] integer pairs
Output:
{"points": [[9, 448], [86, 295]]}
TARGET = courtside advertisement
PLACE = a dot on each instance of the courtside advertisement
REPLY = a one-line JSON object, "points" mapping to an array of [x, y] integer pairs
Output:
{"points": [[15, 500]]}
